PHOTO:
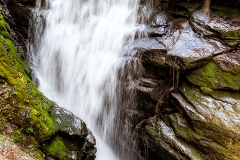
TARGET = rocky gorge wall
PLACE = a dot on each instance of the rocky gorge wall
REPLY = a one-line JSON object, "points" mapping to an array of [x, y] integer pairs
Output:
{"points": [[188, 91], [189, 86]]}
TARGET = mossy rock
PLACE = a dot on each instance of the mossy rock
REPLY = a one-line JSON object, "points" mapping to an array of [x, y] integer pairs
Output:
{"points": [[164, 140], [3, 30], [223, 22], [212, 76], [229, 20], [67, 123], [216, 108], [38, 121], [199, 137], [57, 148], [211, 120], [26, 105]]}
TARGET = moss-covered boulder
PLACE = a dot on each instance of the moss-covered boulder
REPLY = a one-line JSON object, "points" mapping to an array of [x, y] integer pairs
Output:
{"points": [[214, 121], [221, 73], [28, 107], [32, 120]]}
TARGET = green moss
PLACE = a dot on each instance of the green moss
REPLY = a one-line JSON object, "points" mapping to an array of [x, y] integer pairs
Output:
{"points": [[38, 155], [24, 93], [199, 137], [17, 136], [57, 148], [3, 30], [206, 90], [212, 77], [232, 34]]}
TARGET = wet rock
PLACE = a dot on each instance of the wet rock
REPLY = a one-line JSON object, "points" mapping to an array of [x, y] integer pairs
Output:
{"points": [[183, 8], [38, 121], [223, 20], [181, 48], [66, 122], [146, 103], [157, 24], [215, 120], [200, 119], [229, 62], [63, 147], [160, 19], [221, 73], [205, 145], [70, 129], [20, 12], [165, 142], [220, 108], [155, 32], [159, 5], [233, 3]]}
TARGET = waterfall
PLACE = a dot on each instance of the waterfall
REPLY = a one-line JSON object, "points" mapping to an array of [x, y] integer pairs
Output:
{"points": [[78, 50]]}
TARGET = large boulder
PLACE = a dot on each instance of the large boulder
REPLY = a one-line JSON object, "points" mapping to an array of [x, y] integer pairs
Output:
{"points": [[30, 119]]}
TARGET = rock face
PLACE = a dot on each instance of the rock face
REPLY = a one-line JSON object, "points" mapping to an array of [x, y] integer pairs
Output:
{"points": [[188, 91], [37, 124], [189, 88]]}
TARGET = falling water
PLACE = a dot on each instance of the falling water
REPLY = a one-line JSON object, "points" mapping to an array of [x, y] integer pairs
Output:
{"points": [[78, 49]]}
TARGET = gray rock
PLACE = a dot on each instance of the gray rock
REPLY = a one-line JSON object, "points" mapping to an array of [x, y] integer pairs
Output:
{"points": [[181, 48], [223, 20], [66, 122]]}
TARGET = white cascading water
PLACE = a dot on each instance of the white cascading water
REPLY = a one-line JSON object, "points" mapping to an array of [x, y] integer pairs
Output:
{"points": [[77, 49]]}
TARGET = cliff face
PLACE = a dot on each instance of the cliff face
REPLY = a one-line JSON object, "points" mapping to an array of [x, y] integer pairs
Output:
{"points": [[38, 125], [189, 96]]}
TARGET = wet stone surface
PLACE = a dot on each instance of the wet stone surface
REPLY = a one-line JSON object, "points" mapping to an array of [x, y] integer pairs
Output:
{"points": [[66, 122], [221, 73], [224, 21], [180, 48], [188, 95], [192, 110]]}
